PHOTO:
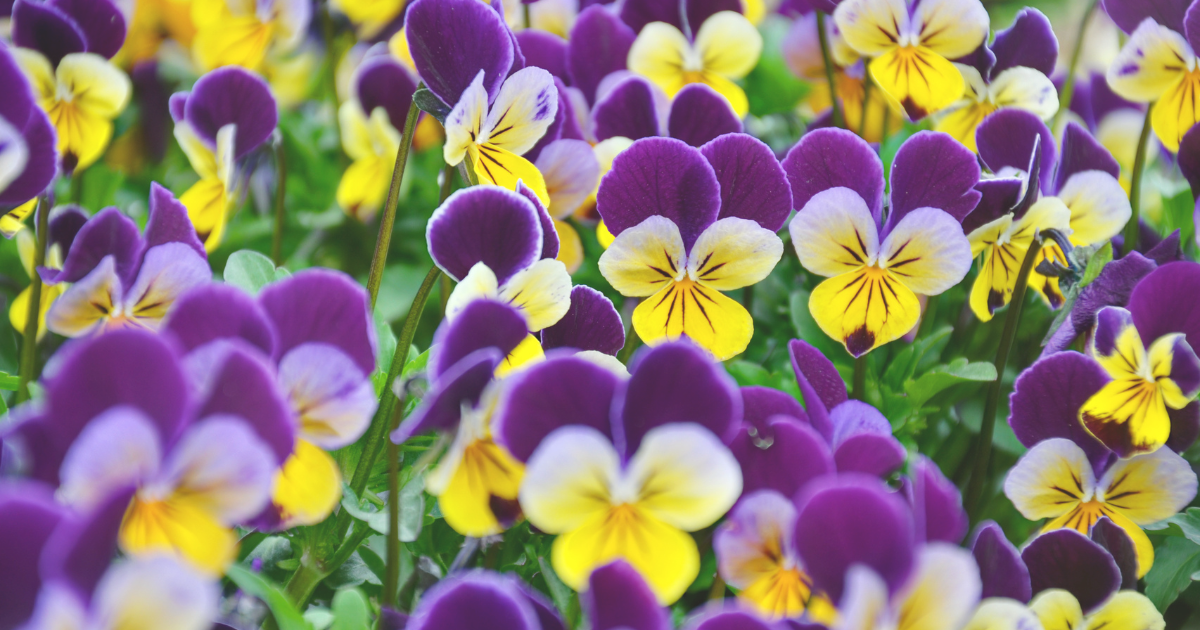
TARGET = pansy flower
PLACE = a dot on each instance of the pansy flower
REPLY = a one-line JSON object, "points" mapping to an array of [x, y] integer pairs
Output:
{"points": [[876, 268], [1115, 122], [689, 224], [1079, 194], [1058, 608], [725, 47], [910, 45], [313, 329], [1013, 71], [572, 172], [64, 48], [1158, 64], [64, 225], [229, 113], [371, 123], [483, 599], [243, 32], [120, 278], [633, 109], [28, 159], [624, 467]]}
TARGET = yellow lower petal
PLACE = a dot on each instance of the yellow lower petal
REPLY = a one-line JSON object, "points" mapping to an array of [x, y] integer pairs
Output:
{"points": [[80, 133], [308, 486], [528, 352], [570, 246], [605, 237], [864, 309], [782, 594], [1141, 542], [207, 203], [504, 168], [666, 557], [364, 186], [1047, 286], [962, 122], [1127, 609], [487, 476], [1128, 415], [18, 313], [233, 41], [920, 80], [175, 526], [1177, 111], [14, 221], [707, 317], [996, 280]]}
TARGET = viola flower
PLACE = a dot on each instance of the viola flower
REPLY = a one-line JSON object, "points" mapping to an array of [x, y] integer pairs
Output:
{"points": [[1080, 196], [1055, 480], [624, 467], [876, 268], [64, 49], [477, 599], [725, 47], [1057, 608], [1014, 71], [28, 161], [241, 33], [689, 224], [63, 227], [1115, 122], [911, 43], [1158, 65], [228, 114], [631, 109], [372, 122], [313, 329], [119, 278], [572, 173]]}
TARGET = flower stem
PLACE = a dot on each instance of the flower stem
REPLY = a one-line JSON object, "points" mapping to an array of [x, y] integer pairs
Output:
{"points": [[1068, 89], [987, 424], [280, 190], [867, 85], [391, 581], [388, 222], [29, 345], [860, 378], [825, 56], [1135, 186]]}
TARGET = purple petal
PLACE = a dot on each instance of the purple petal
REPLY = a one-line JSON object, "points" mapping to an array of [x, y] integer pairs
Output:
{"points": [[382, 81], [452, 40], [699, 114], [82, 549], [781, 454], [591, 323], [169, 223], [1000, 565], [982, 59], [177, 106], [65, 223], [1129, 13], [550, 243], [829, 158], [1163, 303], [664, 177], [109, 233], [628, 110], [1029, 42], [820, 384], [850, 519], [233, 96], [862, 440], [730, 618], [1046, 399], [462, 384], [937, 505], [618, 597], [599, 45], [219, 311], [485, 224], [1119, 545], [320, 305], [933, 170], [481, 324], [1066, 559], [1111, 288], [675, 382], [759, 404], [998, 198], [100, 21], [547, 614], [638, 14], [753, 184], [697, 11], [28, 515], [1081, 152], [1189, 159], [476, 599], [18, 103], [1006, 139], [1185, 427], [544, 50], [42, 166], [241, 383], [46, 29], [560, 391], [1110, 322]]}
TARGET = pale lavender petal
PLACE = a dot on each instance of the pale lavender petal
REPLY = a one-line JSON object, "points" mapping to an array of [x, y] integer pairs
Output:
{"points": [[46, 29], [485, 224], [109, 233], [321, 305], [1081, 152], [117, 449], [333, 399], [222, 465], [1006, 140], [42, 165], [591, 323], [1029, 42], [1046, 399], [933, 170], [168, 221], [233, 96], [781, 454], [599, 45], [1129, 13], [476, 599], [753, 184], [1000, 565], [829, 158], [618, 597], [236, 380], [572, 173], [820, 384], [1066, 559], [168, 271], [937, 505], [1163, 302], [452, 40], [664, 177], [759, 524], [1119, 545], [219, 311], [699, 114], [627, 110], [28, 515], [100, 21]]}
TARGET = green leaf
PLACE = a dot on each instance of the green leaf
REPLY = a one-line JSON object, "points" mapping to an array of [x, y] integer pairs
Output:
{"points": [[365, 511], [771, 88], [1186, 524], [9, 382], [286, 615], [1096, 263], [747, 373], [1175, 562], [1177, 215], [412, 509], [904, 365], [250, 270], [430, 104], [945, 376], [350, 611]]}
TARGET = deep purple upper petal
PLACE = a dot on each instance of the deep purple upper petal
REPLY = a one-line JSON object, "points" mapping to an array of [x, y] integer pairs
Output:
{"points": [[81, 549], [759, 404], [820, 384], [1185, 427], [168, 222], [1081, 152], [46, 29], [42, 167], [321, 305], [18, 102], [699, 114], [28, 516], [462, 384], [1164, 302], [937, 505], [1066, 559], [933, 170], [1029, 42], [241, 383], [544, 50], [219, 311], [1129, 13], [487, 224], [674, 382], [1003, 571], [781, 454], [382, 81], [618, 597], [475, 599], [599, 45], [1119, 545], [828, 158], [862, 440], [664, 177], [65, 223], [108, 233], [753, 184], [452, 40], [550, 242], [729, 617], [1006, 139], [232, 95], [1189, 159], [100, 21], [481, 324], [697, 11], [638, 14], [998, 197], [627, 110], [1046, 399], [591, 323]]}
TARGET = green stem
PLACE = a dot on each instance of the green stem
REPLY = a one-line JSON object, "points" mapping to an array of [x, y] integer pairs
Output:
{"points": [[825, 56], [29, 345], [867, 85], [469, 170], [1135, 186], [1068, 89], [391, 581], [528, 15], [987, 424], [388, 222], [331, 59], [632, 341], [860, 378], [280, 208]]}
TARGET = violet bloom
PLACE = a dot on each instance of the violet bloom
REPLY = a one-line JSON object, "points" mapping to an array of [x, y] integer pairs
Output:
{"points": [[120, 278], [28, 161], [634, 108], [618, 597], [482, 599]]}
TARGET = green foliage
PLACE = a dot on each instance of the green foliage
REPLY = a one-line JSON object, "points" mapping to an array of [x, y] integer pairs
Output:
{"points": [[282, 610], [251, 271], [350, 610], [771, 88], [1176, 566]]}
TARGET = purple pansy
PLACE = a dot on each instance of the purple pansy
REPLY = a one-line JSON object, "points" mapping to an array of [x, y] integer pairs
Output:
{"points": [[635, 108], [57, 28], [478, 599], [28, 157]]}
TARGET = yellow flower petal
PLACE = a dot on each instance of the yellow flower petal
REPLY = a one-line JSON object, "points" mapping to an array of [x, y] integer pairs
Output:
{"points": [[14, 221], [364, 187], [522, 112], [644, 259], [503, 168], [1050, 480], [712, 320], [570, 246], [485, 472], [528, 352], [917, 78], [233, 41], [568, 480], [308, 486], [179, 528], [686, 476], [872, 27], [963, 121], [1057, 610], [1127, 609], [1099, 207], [1152, 61], [728, 45], [542, 292], [864, 309], [951, 28], [1027, 89], [1176, 111], [732, 92], [207, 203], [733, 253], [660, 53], [1148, 488]]}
